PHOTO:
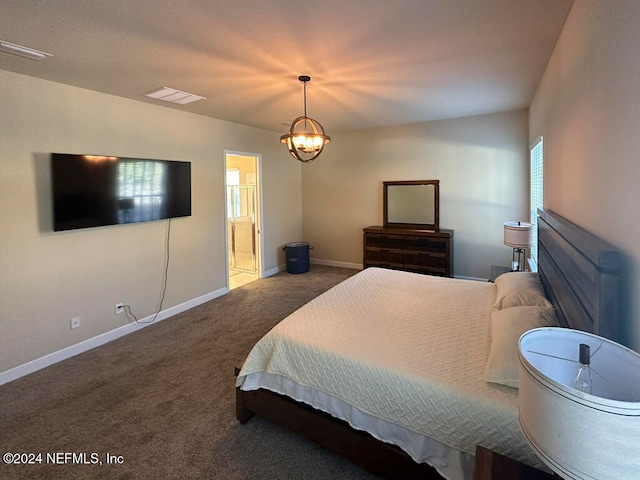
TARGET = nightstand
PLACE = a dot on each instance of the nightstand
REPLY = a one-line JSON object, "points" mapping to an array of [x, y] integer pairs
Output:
{"points": [[496, 271], [493, 466]]}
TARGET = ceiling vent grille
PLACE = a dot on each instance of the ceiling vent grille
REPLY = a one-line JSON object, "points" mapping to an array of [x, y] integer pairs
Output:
{"points": [[174, 96]]}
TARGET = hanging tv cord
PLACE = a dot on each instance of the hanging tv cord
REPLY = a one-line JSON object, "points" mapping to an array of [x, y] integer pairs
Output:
{"points": [[165, 275]]}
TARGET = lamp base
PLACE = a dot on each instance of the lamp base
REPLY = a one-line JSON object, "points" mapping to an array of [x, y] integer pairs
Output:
{"points": [[518, 260]]}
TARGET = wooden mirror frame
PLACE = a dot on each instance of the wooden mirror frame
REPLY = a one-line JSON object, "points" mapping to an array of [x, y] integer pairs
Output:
{"points": [[435, 226]]}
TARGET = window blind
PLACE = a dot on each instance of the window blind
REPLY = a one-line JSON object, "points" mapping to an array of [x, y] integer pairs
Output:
{"points": [[536, 190]]}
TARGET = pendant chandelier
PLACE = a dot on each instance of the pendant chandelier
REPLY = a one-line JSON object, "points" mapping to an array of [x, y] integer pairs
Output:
{"points": [[306, 138]]}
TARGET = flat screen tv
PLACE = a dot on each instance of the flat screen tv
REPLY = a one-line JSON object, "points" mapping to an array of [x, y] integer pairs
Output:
{"points": [[95, 191]]}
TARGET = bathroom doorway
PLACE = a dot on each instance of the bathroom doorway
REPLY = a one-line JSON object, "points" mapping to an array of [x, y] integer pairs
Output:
{"points": [[242, 185]]}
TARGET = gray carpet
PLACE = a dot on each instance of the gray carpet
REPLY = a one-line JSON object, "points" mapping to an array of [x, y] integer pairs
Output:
{"points": [[163, 399]]}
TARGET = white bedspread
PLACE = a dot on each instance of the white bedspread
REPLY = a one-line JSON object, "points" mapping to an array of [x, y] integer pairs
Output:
{"points": [[405, 348]]}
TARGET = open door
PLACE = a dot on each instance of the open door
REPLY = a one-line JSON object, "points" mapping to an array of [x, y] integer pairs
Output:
{"points": [[243, 207]]}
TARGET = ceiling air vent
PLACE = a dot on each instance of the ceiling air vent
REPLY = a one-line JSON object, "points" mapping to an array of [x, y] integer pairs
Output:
{"points": [[172, 95]]}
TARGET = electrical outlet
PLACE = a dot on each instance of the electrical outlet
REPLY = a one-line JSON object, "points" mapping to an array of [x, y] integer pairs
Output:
{"points": [[119, 308], [75, 322]]}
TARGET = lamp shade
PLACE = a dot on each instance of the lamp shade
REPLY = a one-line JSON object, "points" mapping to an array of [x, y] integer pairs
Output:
{"points": [[580, 435], [518, 234]]}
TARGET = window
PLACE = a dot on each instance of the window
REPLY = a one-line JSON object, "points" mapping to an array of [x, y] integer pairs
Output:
{"points": [[233, 194], [536, 190]]}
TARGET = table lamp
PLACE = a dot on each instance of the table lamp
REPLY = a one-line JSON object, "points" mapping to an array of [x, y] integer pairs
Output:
{"points": [[519, 236], [580, 435]]}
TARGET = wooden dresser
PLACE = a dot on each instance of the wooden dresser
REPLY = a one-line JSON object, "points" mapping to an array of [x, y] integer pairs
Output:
{"points": [[412, 250]]}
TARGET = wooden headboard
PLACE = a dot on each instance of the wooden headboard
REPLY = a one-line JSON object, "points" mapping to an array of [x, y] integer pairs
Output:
{"points": [[580, 274]]}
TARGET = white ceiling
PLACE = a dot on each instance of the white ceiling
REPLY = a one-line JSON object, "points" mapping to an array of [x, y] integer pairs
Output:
{"points": [[372, 62]]}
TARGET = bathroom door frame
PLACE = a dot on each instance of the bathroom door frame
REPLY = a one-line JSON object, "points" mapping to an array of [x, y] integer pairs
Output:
{"points": [[259, 244]]}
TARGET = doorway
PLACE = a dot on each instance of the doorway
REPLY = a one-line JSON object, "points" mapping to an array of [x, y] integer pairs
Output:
{"points": [[243, 207]]}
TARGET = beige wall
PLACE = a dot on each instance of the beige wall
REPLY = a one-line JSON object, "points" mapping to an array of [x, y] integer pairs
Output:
{"points": [[47, 278], [482, 165], [587, 107]]}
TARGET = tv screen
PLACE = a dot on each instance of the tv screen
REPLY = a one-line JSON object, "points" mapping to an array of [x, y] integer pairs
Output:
{"points": [[95, 191]]}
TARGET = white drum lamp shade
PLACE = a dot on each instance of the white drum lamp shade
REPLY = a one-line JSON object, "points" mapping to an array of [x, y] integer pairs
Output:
{"points": [[518, 234], [580, 435]]}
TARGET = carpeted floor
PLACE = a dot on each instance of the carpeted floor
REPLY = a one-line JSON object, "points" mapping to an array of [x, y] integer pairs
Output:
{"points": [[161, 401]]}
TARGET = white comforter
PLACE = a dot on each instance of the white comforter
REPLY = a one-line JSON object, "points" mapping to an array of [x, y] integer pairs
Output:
{"points": [[406, 348]]}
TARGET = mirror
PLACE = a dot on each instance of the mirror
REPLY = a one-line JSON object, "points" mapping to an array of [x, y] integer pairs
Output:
{"points": [[411, 204]]}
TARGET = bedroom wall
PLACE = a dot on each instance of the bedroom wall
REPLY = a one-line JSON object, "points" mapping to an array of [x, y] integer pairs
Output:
{"points": [[587, 107], [481, 162], [47, 278]]}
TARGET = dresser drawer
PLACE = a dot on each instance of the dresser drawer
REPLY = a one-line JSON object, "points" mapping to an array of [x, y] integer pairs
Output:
{"points": [[384, 255], [377, 240], [432, 244], [425, 259], [437, 271]]}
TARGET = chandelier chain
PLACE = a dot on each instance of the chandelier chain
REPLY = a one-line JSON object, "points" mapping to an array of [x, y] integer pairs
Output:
{"points": [[304, 86]]}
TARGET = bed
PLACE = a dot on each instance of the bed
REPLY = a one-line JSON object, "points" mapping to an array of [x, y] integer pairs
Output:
{"points": [[397, 371]]}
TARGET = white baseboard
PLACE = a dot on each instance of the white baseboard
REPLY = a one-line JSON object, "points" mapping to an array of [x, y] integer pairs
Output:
{"points": [[273, 271], [93, 342], [333, 263], [358, 266], [316, 261]]}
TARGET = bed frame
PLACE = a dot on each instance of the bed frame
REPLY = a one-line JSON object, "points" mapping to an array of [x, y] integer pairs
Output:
{"points": [[580, 276]]}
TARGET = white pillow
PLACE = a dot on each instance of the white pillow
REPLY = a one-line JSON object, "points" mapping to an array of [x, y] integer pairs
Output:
{"points": [[516, 289], [507, 326]]}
